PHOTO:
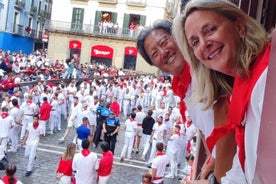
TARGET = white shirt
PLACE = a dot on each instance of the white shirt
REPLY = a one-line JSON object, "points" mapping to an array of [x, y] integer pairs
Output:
{"points": [[85, 167], [131, 126], [139, 117], [159, 131], [6, 125], [159, 163], [173, 143], [252, 127], [34, 135]]}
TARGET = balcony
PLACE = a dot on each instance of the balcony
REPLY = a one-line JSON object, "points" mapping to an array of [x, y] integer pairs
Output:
{"points": [[42, 16], [18, 29], [136, 3], [33, 10], [19, 4], [91, 30], [108, 1]]}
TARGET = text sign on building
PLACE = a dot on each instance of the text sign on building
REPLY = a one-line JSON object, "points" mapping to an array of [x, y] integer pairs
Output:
{"points": [[102, 51]]}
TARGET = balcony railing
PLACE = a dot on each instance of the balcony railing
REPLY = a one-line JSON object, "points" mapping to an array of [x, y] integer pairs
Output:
{"points": [[136, 2], [18, 29], [19, 4], [33, 10], [108, 1], [90, 29]]}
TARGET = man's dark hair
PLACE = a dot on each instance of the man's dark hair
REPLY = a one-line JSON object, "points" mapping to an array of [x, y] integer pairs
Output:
{"points": [[44, 99], [105, 146], [150, 112], [85, 144], [139, 107], [14, 102], [132, 115], [160, 24], [159, 146]]}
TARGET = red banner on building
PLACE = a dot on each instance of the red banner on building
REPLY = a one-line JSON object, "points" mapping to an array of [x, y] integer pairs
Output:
{"points": [[131, 51], [74, 44], [102, 51]]}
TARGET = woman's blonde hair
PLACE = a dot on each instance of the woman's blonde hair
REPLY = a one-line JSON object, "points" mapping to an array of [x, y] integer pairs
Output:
{"points": [[208, 82], [69, 152]]}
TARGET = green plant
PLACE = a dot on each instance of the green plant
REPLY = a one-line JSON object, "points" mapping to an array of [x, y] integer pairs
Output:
{"points": [[20, 3], [33, 9]]}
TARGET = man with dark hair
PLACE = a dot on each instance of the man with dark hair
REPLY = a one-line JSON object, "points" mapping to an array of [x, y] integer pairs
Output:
{"points": [[85, 164], [105, 165], [159, 164]]}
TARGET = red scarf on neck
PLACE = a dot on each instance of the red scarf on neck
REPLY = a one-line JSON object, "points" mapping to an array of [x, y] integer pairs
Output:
{"points": [[4, 115], [238, 106], [29, 102], [180, 86], [75, 104], [159, 153], [85, 152], [6, 178], [35, 125], [16, 106]]}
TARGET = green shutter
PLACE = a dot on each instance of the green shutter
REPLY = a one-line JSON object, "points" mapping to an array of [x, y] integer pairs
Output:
{"points": [[126, 24], [98, 18], [114, 17], [143, 20], [77, 19]]}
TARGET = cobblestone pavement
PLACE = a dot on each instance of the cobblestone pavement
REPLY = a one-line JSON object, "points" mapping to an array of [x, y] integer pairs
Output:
{"points": [[48, 154]]}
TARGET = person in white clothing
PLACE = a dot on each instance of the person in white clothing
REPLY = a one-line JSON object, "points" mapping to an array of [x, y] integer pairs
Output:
{"points": [[157, 136], [172, 150], [159, 164], [29, 108], [85, 165], [17, 113], [31, 140], [131, 128], [140, 115], [6, 124]]}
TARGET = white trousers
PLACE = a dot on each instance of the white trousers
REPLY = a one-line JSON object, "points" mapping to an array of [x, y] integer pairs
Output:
{"points": [[103, 179], [65, 180], [146, 143], [127, 146], [30, 152], [14, 135], [26, 120], [4, 142]]}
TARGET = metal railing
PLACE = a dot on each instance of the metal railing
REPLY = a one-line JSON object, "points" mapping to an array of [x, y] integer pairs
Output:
{"points": [[116, 32]]}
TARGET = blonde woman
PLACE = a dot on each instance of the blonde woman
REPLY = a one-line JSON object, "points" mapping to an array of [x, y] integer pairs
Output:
{"points": [[64, 170], [220, 36]]}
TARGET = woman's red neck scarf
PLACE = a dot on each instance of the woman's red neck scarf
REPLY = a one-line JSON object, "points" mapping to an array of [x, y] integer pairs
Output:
{"points": [[240, 99], [180, 86], [85, 152], [29, 102], [35, 125], [6, 178]]}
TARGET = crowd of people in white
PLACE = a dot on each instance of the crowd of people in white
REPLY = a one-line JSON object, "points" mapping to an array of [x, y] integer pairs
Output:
{"points": [[148, 108]]}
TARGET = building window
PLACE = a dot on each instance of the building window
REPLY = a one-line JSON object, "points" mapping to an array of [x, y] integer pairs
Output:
{"points": [[130, 20], [77, 19], [105, 22]]}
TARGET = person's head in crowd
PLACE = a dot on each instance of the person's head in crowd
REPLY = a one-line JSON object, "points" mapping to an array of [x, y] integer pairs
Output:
{"points": [[112, 114], [150, 112], [160, 147], [85, 144], [85, 121], [132, 115], [139, 107], [146, 178], [159, 120], [69, 152], [45, 99], [10, 172], [104, 146], [14, 102]]}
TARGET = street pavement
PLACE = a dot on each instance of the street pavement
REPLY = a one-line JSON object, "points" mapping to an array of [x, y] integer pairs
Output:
{"points": [[49, 152]]}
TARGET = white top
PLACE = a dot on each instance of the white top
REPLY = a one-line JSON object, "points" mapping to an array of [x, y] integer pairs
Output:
{"points": [[252, 126], [139, 117], [17, 182], [17, 114], [6, 125], [131, 127], [159, 163], [29, 109], [34, 135], [159, 131], [173, 143], [85, 167]]}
